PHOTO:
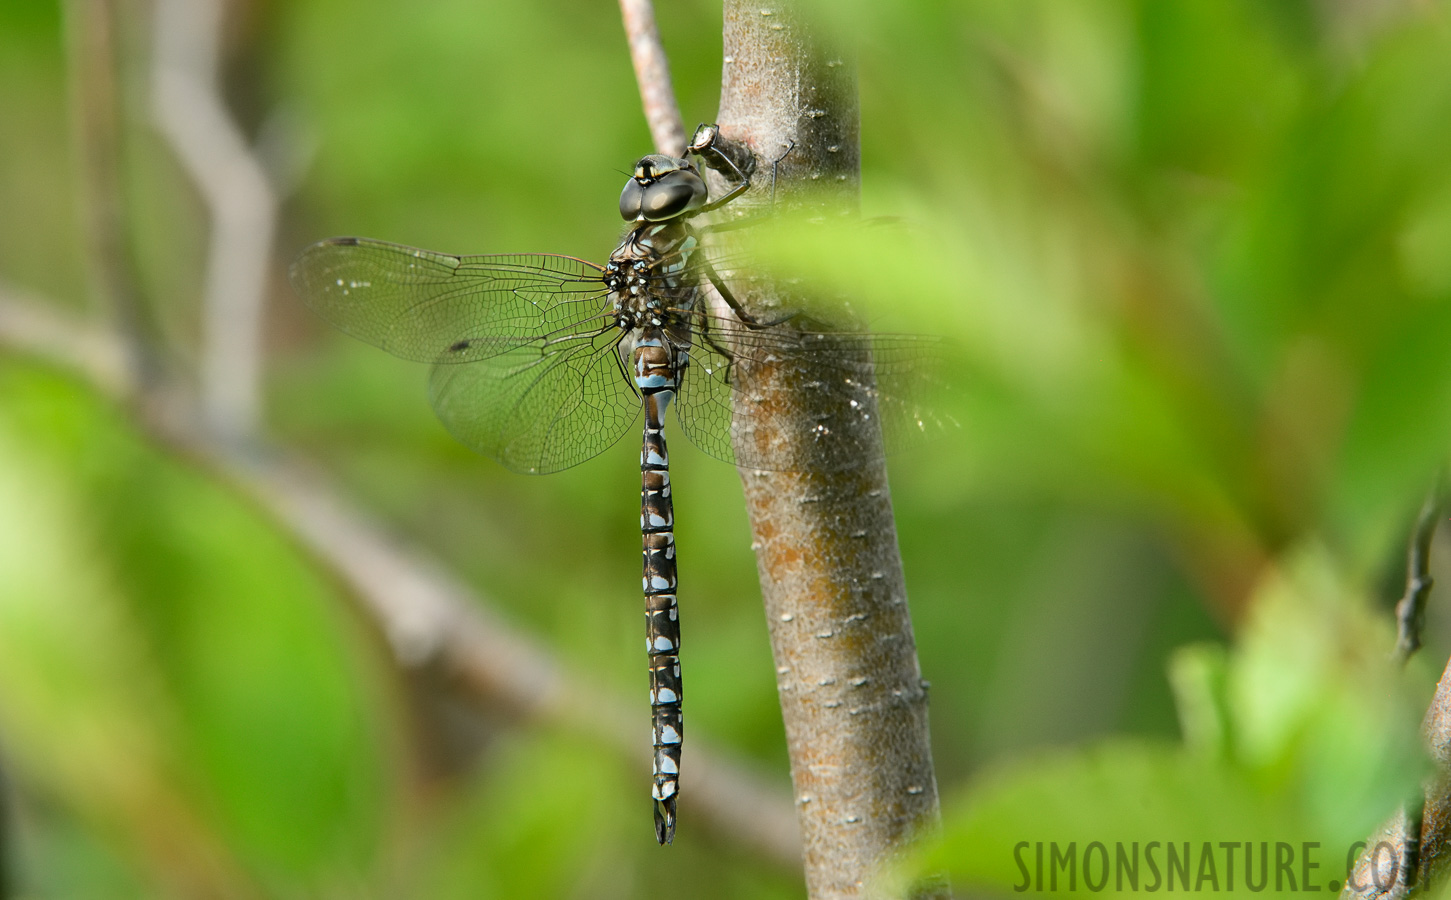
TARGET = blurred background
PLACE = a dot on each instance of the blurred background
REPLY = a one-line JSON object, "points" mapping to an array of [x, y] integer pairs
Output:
{"points": [[1195, 260]]}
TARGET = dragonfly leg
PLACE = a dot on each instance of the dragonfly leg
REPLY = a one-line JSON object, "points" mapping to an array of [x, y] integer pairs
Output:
{"points": [[707, 145], [747, 221], [709, 339], [776, 162], [746, 318]]}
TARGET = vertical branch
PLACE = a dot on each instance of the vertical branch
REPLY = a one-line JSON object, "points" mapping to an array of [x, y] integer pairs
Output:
{"points": [[92, 60], [191, 113], [852, 695], [652, 73]]}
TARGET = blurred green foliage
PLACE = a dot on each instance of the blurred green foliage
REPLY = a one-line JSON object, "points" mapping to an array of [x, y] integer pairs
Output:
{"points": [[1196, 256], [1298, 736]]}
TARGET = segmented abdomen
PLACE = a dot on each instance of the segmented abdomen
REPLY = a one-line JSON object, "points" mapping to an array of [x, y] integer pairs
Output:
{"points": [[656, 377]]}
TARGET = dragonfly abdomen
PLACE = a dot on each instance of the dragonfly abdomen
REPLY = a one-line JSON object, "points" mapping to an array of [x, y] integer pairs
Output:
{"points": [[662, 618]]}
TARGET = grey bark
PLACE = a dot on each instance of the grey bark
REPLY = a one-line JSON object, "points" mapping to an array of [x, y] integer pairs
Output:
{"points": [[852, 695]]}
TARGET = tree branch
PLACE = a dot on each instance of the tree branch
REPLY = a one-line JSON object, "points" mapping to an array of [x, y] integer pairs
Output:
{"points": [[190, 112], [652, 73], [852, 694], [430, 618]]}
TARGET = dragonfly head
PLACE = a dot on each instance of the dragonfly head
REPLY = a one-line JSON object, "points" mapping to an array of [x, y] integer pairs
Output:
{"points": [[662, 188]]}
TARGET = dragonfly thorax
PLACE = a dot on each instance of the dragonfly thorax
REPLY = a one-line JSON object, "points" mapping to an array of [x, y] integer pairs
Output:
{"points": [[649, 274]]}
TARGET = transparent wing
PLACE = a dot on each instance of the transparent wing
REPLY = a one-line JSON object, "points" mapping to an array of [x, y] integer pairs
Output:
{"points": [[848, 379], [539, 406], [525, 369], [426, 306]]}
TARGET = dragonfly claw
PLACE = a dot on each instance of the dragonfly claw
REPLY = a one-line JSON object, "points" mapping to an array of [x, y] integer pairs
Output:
{"points": [[664, 821]]}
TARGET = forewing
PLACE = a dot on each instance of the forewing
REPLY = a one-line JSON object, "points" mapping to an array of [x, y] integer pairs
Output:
{"points": [[850, 379], [429, 306], [541, 406]]}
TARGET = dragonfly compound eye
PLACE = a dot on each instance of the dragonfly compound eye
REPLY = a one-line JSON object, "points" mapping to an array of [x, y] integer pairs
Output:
{"points": [[630, 200], [671, 195]]}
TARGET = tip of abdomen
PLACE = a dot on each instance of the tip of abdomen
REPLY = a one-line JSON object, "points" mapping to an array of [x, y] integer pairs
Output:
{"points": [[665, 821]]}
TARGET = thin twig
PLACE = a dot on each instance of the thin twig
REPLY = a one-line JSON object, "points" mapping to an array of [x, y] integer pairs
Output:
{"points": [[29, 323], [1411, 610], [430, 618], [242, 205], [91, 54], [652, 73]]}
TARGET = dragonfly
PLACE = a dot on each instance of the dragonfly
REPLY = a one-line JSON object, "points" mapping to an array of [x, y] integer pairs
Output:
{"points": [[543, 361]]}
